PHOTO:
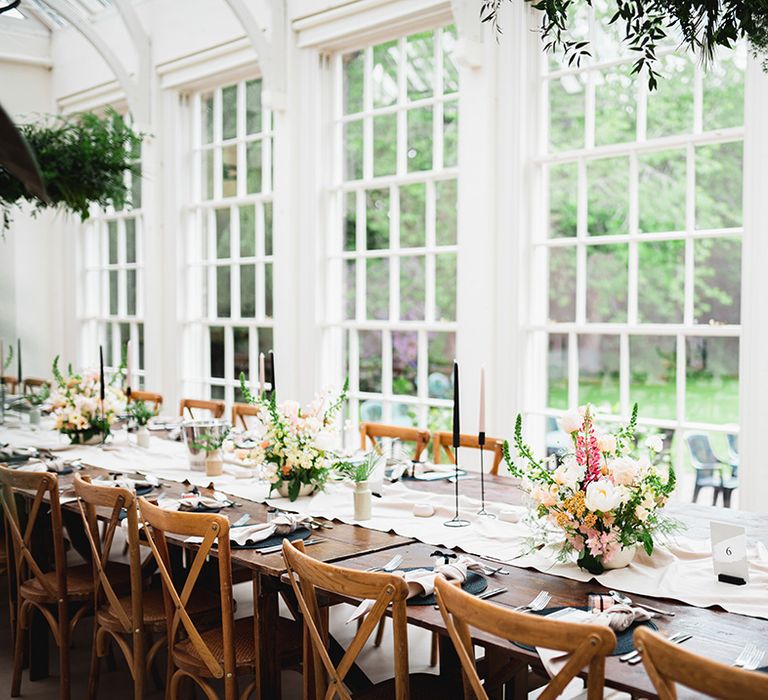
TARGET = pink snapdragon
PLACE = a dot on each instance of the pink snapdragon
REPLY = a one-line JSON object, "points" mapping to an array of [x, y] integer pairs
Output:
{"points": [[588, 452]]}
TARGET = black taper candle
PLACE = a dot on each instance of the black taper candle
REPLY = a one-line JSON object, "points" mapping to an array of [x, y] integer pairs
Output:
{"points": [[456, 429], [102, 391], [18, 360], [272, 372]]}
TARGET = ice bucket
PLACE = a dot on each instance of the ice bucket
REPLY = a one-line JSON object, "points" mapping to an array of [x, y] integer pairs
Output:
{"points": [[193, 431]]}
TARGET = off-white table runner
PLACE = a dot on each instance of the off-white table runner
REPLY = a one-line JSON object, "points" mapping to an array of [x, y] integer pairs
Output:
{"points": [[682, 569]]}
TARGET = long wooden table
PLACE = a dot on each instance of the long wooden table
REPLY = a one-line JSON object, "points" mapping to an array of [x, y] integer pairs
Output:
{"points": [[717, 634]]}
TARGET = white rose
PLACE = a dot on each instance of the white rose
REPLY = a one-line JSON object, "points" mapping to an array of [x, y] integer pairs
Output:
{"points": [[572, 421], [655, 443], [641, 513], [324, 441], [606, 443], [602, 496], [569, 473], [624, 470]]}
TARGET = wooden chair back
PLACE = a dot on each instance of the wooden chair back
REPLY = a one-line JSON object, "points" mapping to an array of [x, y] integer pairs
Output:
{"points": [[588, 645], [148, 397], [114, 500], [240, 411], [45, 487], [307, 575], [668, 664], [213, 406], [373, 432], [442, 442], [214, 530], [10, 382], [33, 384]]}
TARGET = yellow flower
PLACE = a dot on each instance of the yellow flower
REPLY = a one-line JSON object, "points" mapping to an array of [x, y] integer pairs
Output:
{"points": [[590, 521]]}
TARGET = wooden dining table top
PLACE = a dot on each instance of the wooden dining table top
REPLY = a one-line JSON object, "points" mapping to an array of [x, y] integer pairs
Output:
{"points": [[717, 634]]}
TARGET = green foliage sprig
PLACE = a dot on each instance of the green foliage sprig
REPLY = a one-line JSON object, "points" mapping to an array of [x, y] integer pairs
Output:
{"points": [[8, 359], [39, 398], [140, 412], [360, 471], [704, 25], [83, 161], [210, 442]]}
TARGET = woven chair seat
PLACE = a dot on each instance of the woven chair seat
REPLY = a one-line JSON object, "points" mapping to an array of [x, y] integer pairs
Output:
{"points": [[202, 604], [186, 657], [79, 582]]}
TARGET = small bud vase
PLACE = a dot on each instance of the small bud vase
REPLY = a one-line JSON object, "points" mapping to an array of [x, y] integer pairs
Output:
{"points": [[142, 437], [362, 501], [34, 416], [214, 465]]}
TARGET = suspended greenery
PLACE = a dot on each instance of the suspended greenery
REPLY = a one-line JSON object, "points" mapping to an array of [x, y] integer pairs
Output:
{"points": [[702, 25], [83, 160]]}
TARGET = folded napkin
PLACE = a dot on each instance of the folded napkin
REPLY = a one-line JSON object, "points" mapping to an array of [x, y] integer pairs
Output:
{"points": [[621, 616], [421, 582], [246, 535], [125, 482], [189, 501], [37, 467]]}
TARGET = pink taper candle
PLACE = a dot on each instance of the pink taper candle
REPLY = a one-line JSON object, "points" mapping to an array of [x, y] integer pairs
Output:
{"points": [[481, 423], [262, 374]]}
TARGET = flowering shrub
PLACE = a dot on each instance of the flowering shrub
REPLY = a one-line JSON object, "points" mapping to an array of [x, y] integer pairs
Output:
{"points": [[76, 406], [601, 497], [295, 443]]}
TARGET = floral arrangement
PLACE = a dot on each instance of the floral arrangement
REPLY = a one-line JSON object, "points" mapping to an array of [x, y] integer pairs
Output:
{"points": [[296, 443], [601, 497], [76, 405], [141, 413]]}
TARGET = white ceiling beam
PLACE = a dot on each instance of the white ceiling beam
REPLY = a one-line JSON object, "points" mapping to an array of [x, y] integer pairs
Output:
{"points": [[143, 47], [269, 44], [41, 17]]}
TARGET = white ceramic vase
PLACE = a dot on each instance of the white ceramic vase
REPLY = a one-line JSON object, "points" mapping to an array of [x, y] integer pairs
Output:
{"points": [[34, 416], [362, 501], [214, 464], [305, 490], [622, 559], [142, 437]]}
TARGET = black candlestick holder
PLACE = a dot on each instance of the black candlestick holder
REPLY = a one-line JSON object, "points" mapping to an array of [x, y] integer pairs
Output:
{"points": [[482, 511], [456, 521]]}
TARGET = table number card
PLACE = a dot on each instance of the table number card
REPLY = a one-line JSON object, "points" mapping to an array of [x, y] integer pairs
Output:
{"points": [[729, 552]]}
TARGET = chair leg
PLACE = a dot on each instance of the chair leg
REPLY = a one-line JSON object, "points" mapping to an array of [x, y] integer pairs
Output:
{"points": [[696, 490], [18, 657], [379, 632], [93, 676], [716, 493], [64, 647], [433, 652], [727, 497]]}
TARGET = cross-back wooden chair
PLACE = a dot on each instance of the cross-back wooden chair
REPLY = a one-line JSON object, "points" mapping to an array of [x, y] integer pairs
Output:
{"points": [[48, 592], [10, 382], [668, 664], [213, 406], [148, 397], [240, 413], [33, 384], [130, 620], [442, 443], [373, 432], [223, 652], [588, 645], [307, 576]]}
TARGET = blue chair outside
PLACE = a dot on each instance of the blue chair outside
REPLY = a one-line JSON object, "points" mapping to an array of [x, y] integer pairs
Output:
{"points": [[709, 469], [733, 453]]}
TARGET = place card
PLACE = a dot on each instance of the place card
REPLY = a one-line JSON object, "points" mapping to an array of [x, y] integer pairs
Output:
{"points": [[729, 552]]}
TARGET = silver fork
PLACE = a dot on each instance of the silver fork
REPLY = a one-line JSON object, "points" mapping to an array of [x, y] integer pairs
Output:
{"points": [[750, 658], [538, 603], [391, 565], [746, 653], [755, 662]]}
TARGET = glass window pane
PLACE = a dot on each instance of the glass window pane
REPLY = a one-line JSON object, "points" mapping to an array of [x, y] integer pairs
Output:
{"points": [[712, 380], [108, 357], [353, 150], [608, 36], [662, 191], [447, 202], [217, 351], [599, 372], [130, 240], [222, 233], [420, 68], [253, 157], [405, 361], [420, 139], [136, 182], [130, 276], [608, 197], [253, 106], [566, 113], [718, 185], [439, 419], [229, 112], [670, 106], [350, 286], [350, 221], [661, 282], [615, 105], [113, 293], [723, 98], [384, 74], [112, 231], [412, 277], [377, 288], [717, 281], [247, 291], [218, 393], [607, 280], [268, 289], [377, 219], [653, 375], [229, 171], [240, 338], [563, 199], [413, 215], [441, 351], [557, 371], [247, 231], [562, 284], [445, 287], [266, 342], [354, 68], [207, 175], [140, 328], [450, 67], [450, 134], [267, 228], [370, 361], [385, 144], [223, 309], [206, 118]]}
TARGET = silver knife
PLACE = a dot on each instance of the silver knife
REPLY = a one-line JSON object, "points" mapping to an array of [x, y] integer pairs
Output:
{"points": [[635, 652], [279, 547], [493, 592], [679, 640]]}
